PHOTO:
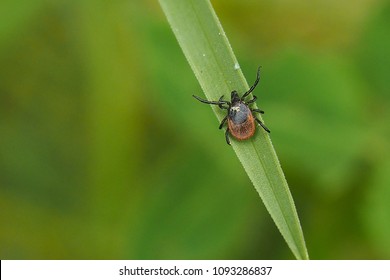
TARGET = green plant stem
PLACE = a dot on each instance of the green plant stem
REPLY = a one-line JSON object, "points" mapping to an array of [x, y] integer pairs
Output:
{"points": [[206, 47]]}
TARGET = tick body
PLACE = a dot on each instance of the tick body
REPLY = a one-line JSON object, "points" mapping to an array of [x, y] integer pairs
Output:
{"points": [[241, 123], [240, 117]]}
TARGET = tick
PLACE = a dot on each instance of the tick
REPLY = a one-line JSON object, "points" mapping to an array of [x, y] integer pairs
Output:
{"points": [[240, 117]]}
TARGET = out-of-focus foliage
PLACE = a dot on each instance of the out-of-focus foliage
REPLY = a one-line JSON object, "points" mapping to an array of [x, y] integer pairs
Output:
{"points": [[104, 153]]}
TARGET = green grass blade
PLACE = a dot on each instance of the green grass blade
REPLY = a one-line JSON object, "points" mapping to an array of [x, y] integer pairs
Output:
{"points": [[210, 56]]}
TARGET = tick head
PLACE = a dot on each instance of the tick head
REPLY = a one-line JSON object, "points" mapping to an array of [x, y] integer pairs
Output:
{"points": [[234, 97]]}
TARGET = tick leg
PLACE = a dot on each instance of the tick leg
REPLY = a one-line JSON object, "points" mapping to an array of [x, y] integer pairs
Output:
{"points": [[220, 102], [252, 100], [221, 105], [254, 85], [223, 122], [227, 136], [257, 111], [262, 125]]}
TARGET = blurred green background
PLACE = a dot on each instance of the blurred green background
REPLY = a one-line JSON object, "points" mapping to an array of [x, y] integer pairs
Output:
{"points": [[104, 154]]}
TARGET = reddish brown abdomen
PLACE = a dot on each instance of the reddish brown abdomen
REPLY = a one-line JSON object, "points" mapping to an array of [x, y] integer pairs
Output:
{"points": [[243, 130]]}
